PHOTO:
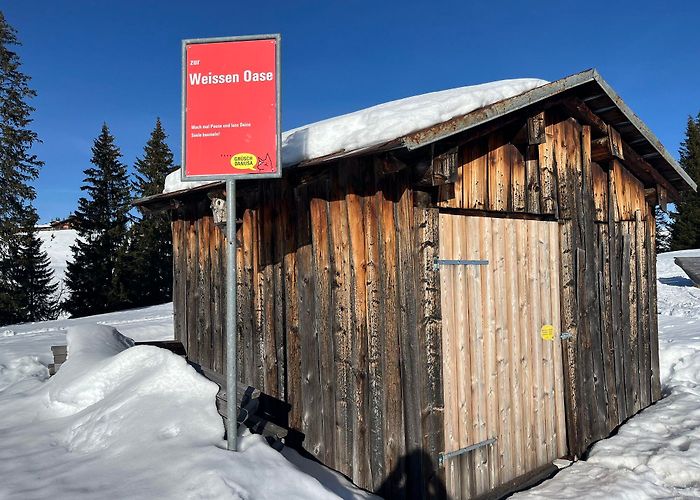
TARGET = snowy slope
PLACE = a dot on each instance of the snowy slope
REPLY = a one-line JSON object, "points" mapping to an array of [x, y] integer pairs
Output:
{"points": [[379, 124], [57, 245], [656, 454], [129, 423]]}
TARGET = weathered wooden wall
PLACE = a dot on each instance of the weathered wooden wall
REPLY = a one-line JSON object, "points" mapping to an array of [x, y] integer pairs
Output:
{"points": [[339, 304], [339, 315], [608, 290]]}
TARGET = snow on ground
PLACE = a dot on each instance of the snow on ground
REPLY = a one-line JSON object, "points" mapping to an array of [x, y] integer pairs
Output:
{"points": [[382, 123], [120, 422], [57, 243], [656, 454], [140, 423]]}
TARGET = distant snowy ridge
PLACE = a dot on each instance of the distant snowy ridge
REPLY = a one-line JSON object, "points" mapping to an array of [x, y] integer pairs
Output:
{"points": [[57, 245], [380, 124]]}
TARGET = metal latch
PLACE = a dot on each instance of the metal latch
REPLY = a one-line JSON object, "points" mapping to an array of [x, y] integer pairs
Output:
{"points": [[451, 454], [457, 262]]}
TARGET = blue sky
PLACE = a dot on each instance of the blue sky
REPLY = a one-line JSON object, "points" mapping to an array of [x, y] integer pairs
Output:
{"points": [[119, 62]]}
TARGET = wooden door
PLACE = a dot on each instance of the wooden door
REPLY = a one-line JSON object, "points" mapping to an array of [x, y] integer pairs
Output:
{"points": [[502, 371]]}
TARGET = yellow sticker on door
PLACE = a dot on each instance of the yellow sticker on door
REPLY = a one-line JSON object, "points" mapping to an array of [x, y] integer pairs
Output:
{"points": [[547, 332]]}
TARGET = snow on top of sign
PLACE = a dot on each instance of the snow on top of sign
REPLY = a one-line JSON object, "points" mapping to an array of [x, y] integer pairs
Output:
{"points": [[382, 123]]}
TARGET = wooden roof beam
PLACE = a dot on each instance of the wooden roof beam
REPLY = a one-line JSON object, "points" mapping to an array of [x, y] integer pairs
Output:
{"points": [[602, 150]]}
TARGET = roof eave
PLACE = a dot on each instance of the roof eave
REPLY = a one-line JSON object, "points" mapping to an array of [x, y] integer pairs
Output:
{"points": [[539, 94]]}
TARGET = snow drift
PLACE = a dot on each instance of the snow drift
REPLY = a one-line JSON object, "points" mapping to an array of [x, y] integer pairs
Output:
{"points": [[119, 421]]}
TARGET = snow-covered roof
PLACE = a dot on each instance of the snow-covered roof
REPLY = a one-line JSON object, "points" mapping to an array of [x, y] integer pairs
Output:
{"points": [[382, 123], [416, 121]]}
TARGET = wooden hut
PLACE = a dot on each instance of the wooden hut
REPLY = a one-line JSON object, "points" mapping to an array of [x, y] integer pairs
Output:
{"points": [[448, 312]]}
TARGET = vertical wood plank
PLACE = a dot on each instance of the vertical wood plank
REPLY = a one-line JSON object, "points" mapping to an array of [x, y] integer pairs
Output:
{"points": [[547, 174], [291, 304], [204, 321], [558, 372], [633, 297], [218, 300], [244, 303], [315, 419], [266, 290], [333, 377], [499, 174], [376, 341], [536, 353], [643, 312], [532, 175], [626, 303], [179, 281], [362, 471], [518, 179], [653, 313], [614, 238], [526, 337], [501, 336], [478, 326], [277, 292], [475, 170], [408, 332], [490, 370], [567, 277], [394, 429], [600, 192], [547, 346], [605, 292], [339, 310], [192, 292], [259, 298], [450, 354], [515, 357], [429, 296]]}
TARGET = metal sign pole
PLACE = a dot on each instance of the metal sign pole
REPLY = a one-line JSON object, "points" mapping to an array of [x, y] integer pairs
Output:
{"points": [[231, 318]]}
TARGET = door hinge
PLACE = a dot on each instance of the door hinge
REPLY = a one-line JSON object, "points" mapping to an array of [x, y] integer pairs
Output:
{"points": [[442, 457], [457, 262]]}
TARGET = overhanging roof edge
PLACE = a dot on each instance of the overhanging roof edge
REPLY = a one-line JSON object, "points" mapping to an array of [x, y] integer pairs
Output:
{"points": [[644, 130], [481, 116]]}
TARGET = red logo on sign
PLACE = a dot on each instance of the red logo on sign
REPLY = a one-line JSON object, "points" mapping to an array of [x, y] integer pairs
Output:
{"points": [[231, 126]]}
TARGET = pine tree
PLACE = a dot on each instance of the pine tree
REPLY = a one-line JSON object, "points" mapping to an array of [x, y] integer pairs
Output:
{"points": [[148, 259], [663, 230], [18, 166], [34, 288], [101, 221], [686, 221]]}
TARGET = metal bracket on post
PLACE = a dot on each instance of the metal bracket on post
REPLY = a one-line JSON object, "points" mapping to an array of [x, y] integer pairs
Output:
{"points": [[457, 262], [231, 288], [442, 457]]}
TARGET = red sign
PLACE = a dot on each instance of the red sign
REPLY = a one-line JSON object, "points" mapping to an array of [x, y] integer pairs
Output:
{"points": [[231, 122]]}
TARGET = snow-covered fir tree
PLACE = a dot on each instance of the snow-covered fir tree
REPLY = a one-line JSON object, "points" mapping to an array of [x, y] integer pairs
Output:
{"points": [[33, 279], [102, 217]]}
